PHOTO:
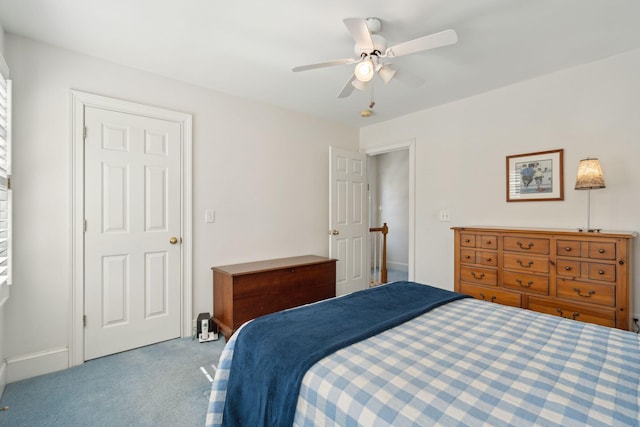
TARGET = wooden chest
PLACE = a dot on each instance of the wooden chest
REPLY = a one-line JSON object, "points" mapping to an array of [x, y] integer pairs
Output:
{"points": [[242, 292], [577, 275]]}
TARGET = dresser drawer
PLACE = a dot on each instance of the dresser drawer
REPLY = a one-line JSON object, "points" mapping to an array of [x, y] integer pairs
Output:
{"points": [[602, 250], [526, 282], [484, 241], [605, 272], [468, 240], [568, 268], [568, 248], [530, 245], [292, 280], [479, 275], [471, 256], [573, 311], [492, 295], [593, 293], [468, 256], [524, 262], [487, 258]]}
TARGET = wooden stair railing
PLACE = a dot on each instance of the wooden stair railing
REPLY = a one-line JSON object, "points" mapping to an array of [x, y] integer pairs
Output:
{"points": [[379, 254]]}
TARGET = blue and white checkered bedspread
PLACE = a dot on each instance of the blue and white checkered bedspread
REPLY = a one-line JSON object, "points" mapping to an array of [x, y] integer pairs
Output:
{"points": [[471, 363]]}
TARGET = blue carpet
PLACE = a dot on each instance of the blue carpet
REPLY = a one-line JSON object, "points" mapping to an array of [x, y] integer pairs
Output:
{"points": [[158, 385]]}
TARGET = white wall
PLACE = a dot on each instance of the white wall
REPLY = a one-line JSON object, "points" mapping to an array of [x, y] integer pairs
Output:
{"points": [[262, 169], [589, 111], [393, 199]]}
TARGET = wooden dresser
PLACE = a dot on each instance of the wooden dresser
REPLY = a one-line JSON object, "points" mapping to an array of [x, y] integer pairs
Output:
{"points": [[577, 275], [243, 292]]}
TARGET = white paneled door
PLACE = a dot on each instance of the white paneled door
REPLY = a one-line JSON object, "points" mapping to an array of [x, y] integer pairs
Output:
{"points": [[348, 225], [132, 231]]}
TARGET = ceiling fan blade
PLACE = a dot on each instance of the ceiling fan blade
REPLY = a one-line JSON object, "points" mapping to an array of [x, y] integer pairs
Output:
{"points": [[443, 38], [360, 33], [325, 64], [409, 78], [348, 87]]}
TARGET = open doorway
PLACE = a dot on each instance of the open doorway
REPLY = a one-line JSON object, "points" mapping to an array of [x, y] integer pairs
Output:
{"points": [[390, 203]]}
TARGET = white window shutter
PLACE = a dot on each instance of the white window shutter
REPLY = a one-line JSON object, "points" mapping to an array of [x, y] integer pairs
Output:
{"points": [[5, 175]]}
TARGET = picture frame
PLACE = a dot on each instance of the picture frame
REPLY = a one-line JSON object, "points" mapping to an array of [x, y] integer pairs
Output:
{"points": [[535, 177]]}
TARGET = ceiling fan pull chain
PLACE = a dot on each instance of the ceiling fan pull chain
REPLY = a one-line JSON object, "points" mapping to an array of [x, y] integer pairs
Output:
{"points": [[371, 105]]}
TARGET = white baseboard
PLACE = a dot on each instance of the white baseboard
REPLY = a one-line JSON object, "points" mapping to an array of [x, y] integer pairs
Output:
{"points": [[34, 364], [3, 376]]}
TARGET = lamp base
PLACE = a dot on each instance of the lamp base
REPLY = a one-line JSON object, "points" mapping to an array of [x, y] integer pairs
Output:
{"points": [[590, 230]]}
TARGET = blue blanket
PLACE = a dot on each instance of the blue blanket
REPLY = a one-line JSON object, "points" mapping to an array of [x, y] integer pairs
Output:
{"points": [[272, 353]]}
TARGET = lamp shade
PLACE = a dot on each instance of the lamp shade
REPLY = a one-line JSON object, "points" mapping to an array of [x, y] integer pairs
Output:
{"points": [[386, 73], [589, 175], [364, 70], [359, 84]]}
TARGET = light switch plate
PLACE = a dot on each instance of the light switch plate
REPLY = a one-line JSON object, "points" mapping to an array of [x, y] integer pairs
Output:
{"points": [[209, 215]]}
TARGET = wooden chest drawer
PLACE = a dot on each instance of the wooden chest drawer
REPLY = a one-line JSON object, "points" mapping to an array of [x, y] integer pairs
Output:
{"points": [[570, 248], [467, 240], [590, 270], [602, 250], [524, 262], [526, 282], [568, 268], [468, 256], [479, 275], [492, 295], [525, 244], [573, 311], [471, 256], [605, 272], [487, 258], [592, 293], [484, 241]]}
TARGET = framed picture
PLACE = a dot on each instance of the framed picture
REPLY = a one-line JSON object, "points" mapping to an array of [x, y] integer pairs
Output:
{"points": [[535, 177]]}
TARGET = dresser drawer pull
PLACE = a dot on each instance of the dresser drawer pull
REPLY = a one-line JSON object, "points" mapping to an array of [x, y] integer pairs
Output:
{"points": [[527, 285], [567, 268], [579, 292], [529, 245], [488, 259], [484, 298], [575, 314], [479, 276], [529, 264], [601, 251], [568, 249], [467, 241], [488, 242], [467, 257]]}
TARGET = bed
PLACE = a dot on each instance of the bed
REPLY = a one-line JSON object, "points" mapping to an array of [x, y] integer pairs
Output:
{"points": [[456, 361]]}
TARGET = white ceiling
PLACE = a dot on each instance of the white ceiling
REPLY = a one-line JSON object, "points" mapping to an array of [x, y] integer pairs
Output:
{"points": [[248, 47]]}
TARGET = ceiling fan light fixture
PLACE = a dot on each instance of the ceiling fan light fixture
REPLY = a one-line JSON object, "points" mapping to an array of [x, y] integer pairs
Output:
{"points": [[360, 85], [386, 73], [364, 70]]}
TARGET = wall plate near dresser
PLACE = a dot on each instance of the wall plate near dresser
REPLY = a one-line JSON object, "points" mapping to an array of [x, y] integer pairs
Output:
{"points": [[577, 275]]}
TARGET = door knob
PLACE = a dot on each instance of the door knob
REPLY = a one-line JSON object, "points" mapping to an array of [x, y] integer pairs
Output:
{"points": [[173, 240], [334, 232]]}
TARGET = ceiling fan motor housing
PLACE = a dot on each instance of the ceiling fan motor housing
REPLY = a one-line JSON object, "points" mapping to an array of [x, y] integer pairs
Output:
{"points": [[379, 45]]}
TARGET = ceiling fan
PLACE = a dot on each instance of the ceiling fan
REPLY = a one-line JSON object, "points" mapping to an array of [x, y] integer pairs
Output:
{"points": [[372, 52]]}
